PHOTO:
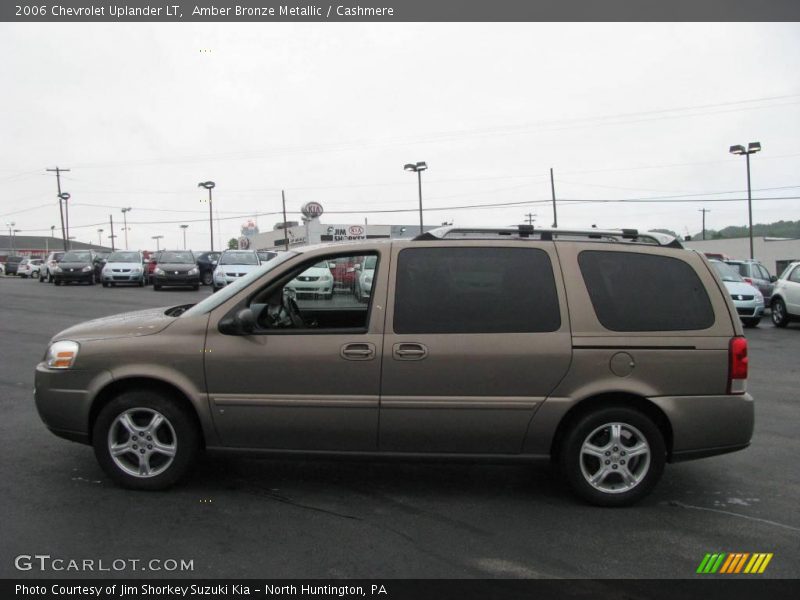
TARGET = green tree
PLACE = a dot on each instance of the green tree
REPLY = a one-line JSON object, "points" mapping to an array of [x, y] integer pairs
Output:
{"points": [[233, 244]]}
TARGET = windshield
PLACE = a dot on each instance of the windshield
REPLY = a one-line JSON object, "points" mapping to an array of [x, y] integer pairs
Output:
{"points": [[239, 258], [77, 257], [232, 289], [726, 272], [176, 258], [125, 257], [741, 267]]}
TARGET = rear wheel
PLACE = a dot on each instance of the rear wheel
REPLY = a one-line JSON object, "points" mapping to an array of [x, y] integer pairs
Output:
{"points": [[779, 315], [208, 278], [613, 456], [156, 287], [144, 440]]}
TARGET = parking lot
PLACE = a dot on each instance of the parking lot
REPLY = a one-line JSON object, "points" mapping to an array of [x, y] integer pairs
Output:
{"points": [[245, 516]]}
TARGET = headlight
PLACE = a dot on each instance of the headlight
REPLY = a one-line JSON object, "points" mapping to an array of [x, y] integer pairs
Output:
{"points": [[158, 271], [759, 298], [87, 268], [62, 355], [193, 271], [219, 274], [326, 278], [136, 270]]}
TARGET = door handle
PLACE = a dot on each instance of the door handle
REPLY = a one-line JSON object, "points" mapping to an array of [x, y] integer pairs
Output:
{"points": [[358, 351], [409, 351]]}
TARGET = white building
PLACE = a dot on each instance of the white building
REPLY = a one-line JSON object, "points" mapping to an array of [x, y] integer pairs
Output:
{"points": [[774, 253]]}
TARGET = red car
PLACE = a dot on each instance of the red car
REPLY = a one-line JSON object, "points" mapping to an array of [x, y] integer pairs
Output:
{"points": [[344, 274]]}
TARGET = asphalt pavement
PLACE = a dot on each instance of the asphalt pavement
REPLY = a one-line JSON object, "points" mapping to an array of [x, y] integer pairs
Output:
{"points": [[245, 516]]}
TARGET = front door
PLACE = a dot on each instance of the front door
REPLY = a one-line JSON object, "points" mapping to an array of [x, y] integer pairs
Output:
{"points": [[476, 338], [308, 376]]}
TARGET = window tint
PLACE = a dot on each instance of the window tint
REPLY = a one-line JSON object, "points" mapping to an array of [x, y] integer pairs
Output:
{"points": [[475, 290], [644, 292]]}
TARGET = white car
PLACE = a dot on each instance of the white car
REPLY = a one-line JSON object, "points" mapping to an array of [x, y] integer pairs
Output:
{"points": [[366, 271], [747, 299], [123, 267], [49, 267], [315, 282], [29, 267], [234, 264], [786, 296]]}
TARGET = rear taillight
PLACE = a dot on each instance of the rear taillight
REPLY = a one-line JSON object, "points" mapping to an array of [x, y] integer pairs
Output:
{"points": [[737, 365]]}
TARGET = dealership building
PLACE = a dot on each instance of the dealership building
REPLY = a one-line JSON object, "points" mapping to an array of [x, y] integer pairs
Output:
{"points": [[773, 253]]}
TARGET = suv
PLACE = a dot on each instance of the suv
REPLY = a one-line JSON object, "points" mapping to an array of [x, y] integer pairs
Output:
{"points": [[611, 352], [48, 268], [12, 264], [786, 297], [756, 274], [76, 266]]}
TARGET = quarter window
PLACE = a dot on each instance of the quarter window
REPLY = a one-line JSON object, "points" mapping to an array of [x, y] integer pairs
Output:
{"points": [[645, 292], [475, 290]]}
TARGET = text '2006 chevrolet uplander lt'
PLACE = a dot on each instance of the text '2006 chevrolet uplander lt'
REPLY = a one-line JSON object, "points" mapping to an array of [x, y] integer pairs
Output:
{"points": [[612, 352]]}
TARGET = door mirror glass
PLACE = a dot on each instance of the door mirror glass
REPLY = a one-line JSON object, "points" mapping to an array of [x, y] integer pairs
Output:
{"points": [[241, 323], [773, 279]]}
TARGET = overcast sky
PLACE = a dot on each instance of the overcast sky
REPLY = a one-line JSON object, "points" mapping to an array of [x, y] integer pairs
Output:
{"points": [[331, 112]]}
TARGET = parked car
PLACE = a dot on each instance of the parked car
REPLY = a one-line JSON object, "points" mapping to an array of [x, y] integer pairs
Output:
{"points": [[366, 272], [207, 262], [29, 267], [48, 268], [2, 268], [123, 267], [176, 269], [150, 266], [234, 264], [314, 282], [265, 255], [12, 264], [746, 298], [343, 270], [76, 266], [756, 274], [786, 296], [611, 352]]}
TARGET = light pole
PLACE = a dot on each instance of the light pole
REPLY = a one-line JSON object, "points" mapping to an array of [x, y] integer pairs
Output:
{"points": [[99, 237], [184, 227], [704, 211], [125, 224], [418, 168], [11, 236], [209, 185], [65, 196], [752, 148], [156, 238], [52, 231]]}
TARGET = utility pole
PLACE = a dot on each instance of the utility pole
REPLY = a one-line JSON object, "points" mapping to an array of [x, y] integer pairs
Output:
{"points": [[704, 211], [553, 190], [60, 208], [112, 236], [125, 224], [285, 232], [531, 218], [184, 235]]}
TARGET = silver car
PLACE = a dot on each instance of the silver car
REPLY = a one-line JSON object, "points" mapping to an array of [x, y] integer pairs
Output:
{"points": [[234, 264], [746, 298], [123, 267]]}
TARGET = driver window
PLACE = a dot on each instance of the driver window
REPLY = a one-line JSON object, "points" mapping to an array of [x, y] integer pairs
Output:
{"points": [[330, 293]]}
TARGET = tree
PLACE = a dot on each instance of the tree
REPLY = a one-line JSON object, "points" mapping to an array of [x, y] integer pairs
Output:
{"points": [[233, 244]]}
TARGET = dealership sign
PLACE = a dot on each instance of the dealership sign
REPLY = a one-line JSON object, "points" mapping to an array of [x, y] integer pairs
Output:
{"points": [[311, 210], [347, 233]]}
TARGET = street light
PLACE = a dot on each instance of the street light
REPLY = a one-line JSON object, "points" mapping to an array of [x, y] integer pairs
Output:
{"points": [[52, 231], [752, 148], [99, 237], [156, 238], [65, 196], [125, 224], [11, 236], [418, 168], [209, 185], [184, 227]]}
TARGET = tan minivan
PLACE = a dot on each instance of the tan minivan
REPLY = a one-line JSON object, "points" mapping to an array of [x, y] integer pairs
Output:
{"points": [[612, 352]]}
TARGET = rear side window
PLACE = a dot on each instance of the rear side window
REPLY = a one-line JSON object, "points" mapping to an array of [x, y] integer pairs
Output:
{"points": [[644, 292], [475, 290]]}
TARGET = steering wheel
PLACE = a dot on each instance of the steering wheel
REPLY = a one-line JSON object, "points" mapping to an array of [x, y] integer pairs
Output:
{"points": [[290, 304]]}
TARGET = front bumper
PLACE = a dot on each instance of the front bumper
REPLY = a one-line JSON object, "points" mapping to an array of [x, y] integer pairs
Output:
{"points": [[707, 425], [172, 278], [114, 277], [69, 276], [747, 308]]}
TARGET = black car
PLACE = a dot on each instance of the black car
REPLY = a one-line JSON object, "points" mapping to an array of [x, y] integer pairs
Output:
{"points": [[76, 266], [12, 264], [176, 268], [206, 263]]}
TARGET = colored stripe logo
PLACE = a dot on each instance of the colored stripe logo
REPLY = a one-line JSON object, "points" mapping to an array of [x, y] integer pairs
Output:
{"points": [[735, 563]]}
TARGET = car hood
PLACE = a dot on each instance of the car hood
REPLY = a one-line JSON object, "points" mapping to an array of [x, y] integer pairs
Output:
{"points": [[74, 265], [180, 267], [132, 324], [237, 268], [120, 265], [739, 287]]}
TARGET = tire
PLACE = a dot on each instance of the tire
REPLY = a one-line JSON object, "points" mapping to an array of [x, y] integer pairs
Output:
{"points": [[156, 287], [141, 282], [780, 317], [593, 431], [751, 322], [177, 436], [196, 287], [57, 282], [207, 278]]}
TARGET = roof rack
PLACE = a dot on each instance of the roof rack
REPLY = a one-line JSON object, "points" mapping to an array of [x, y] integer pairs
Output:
{"points": [[528, 232]]}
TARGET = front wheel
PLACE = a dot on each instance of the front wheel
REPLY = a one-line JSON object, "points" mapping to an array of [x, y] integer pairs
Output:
{"points": [[144, 440], [208, 278], [751, 322], [779, 315], [613, 456]]}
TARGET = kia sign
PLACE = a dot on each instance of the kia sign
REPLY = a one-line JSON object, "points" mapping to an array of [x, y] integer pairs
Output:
{"points": [[311, 210], [348, 233]]}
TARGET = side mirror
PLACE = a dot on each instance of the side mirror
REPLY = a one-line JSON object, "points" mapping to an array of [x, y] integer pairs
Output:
{"points": [[773, 279], [242, 323], [214, 262]]}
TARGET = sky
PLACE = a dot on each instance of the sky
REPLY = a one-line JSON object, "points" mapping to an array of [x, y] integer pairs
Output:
{"points": [[330, 112]]}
